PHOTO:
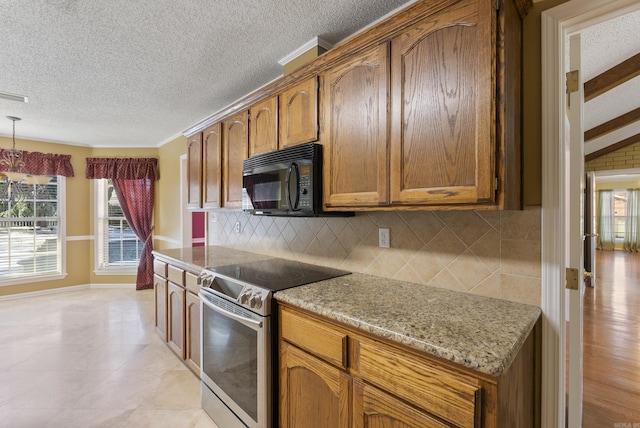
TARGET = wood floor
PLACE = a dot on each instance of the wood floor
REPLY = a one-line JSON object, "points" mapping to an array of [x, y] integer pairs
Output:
{"points": [[612, 343]]}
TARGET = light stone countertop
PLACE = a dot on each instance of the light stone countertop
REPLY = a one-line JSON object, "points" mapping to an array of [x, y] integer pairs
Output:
{"points": [[196, 258], [481, 333]]}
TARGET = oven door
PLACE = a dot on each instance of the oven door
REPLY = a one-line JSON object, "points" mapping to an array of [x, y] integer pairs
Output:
{"points": [[235, 361]]}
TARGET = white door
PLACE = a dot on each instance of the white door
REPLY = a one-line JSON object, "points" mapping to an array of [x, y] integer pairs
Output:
{"points": [[575, 238]]}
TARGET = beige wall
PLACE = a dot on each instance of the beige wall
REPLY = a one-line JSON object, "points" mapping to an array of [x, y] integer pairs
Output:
{"points": [[168, 208], [532, 102], [79, 219]]}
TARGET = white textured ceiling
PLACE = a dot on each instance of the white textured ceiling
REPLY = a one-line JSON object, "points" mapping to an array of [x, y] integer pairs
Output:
{"points": [[136, 73], [603, 46]]}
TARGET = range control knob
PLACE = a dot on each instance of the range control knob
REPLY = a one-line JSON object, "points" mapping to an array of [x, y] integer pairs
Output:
{"points": [[256, 301], [205, 280], [244, 298]]}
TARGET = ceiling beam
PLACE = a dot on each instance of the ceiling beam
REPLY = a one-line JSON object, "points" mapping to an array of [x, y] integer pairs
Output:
{"points": [[612, 148], [612, 125], [613, 77]]}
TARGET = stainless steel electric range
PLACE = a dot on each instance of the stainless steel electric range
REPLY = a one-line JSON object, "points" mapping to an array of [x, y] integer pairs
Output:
{"points": [[239, 337]]}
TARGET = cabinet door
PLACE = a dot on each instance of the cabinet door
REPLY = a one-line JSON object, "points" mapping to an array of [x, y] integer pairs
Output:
{"points": [[373, 408], [175, 318], [194, 171], [443, 108], [299, 114], [212, 166], [192, 329], [356, 167], [160, 297], [236, 149], [313, 394], [263, 125]]}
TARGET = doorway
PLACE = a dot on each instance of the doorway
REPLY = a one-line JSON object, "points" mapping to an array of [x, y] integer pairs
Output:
{"points": [[557, 23]]}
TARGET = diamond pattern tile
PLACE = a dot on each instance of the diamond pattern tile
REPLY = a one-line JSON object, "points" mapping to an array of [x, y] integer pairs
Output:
{"points": [[490, 253]]}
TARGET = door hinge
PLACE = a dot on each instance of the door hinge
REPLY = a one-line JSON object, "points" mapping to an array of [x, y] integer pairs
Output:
{"points": [[572, 81], [572, 279], [499, 4], [496, 184]]}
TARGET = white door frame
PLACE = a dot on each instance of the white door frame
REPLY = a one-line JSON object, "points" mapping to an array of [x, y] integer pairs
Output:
{"points": [[557, 23]]}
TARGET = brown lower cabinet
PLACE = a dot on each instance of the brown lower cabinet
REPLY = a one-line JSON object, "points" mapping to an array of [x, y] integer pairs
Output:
{"points": [[175, 318], [177, 314], [332, 375], [192, 330]]}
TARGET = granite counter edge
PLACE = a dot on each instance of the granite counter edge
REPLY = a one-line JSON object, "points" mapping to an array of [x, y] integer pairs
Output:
{"points": [[493, 366]]}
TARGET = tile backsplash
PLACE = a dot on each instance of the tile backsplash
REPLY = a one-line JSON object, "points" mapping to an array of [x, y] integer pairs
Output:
{"points": [[491, 253]]}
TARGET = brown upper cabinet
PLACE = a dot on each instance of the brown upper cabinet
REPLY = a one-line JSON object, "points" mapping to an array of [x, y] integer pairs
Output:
{"points": [[194, 171], [443, 108], [441, 147], [212, 166], [235, 146], [299, 113], [356, 167], [204, 161], [420, 111], [263, 122]]}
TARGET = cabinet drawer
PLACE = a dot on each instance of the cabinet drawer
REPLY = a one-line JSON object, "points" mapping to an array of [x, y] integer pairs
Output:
{"points": [[175, 275], [191, 282], [160, 268], [371, 406], [319, 338], [450, 396]]}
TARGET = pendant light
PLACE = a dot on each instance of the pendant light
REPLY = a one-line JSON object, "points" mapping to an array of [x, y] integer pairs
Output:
{"points": [[18, 184]]}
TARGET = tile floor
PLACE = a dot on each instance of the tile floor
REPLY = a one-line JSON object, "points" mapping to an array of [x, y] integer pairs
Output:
{"points": [[91, 358]]}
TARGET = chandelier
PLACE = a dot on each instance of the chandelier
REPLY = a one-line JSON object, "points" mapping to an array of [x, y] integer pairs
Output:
{"points": [[18, 185]]}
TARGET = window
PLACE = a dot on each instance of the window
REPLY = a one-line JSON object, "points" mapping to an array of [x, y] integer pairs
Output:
{"points": [[117, 246], [620, 208], [30, 232]]}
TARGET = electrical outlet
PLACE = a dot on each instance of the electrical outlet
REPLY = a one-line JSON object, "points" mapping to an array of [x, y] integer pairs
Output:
{"points": [[383, 237], [238, 227]]}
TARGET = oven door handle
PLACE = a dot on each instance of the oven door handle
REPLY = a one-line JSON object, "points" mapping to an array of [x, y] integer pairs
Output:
{"points": [[246, 321]]}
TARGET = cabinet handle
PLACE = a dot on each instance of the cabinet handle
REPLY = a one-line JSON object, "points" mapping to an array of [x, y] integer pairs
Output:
{"points": [[345, 351]]}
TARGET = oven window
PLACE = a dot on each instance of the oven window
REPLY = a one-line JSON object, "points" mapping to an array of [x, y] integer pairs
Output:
{"points": [[229, 358]]}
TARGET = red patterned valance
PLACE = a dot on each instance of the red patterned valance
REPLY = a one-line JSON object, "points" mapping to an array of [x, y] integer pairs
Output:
{"points": [[37, 163], [122, 168]]}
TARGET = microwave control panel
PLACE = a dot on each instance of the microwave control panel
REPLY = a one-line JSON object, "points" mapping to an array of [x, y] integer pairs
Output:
{"points": [[304, 198]]}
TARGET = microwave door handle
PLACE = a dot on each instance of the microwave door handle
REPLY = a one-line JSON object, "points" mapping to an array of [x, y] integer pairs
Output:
{"points": [[293, 167]]}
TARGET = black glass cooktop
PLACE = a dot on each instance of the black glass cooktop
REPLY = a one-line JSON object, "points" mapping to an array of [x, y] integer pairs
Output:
{"points": [[278, 274]]}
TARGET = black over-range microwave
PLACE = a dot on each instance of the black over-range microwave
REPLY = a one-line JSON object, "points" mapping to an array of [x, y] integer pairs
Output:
{"points": [[286, 182]]}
